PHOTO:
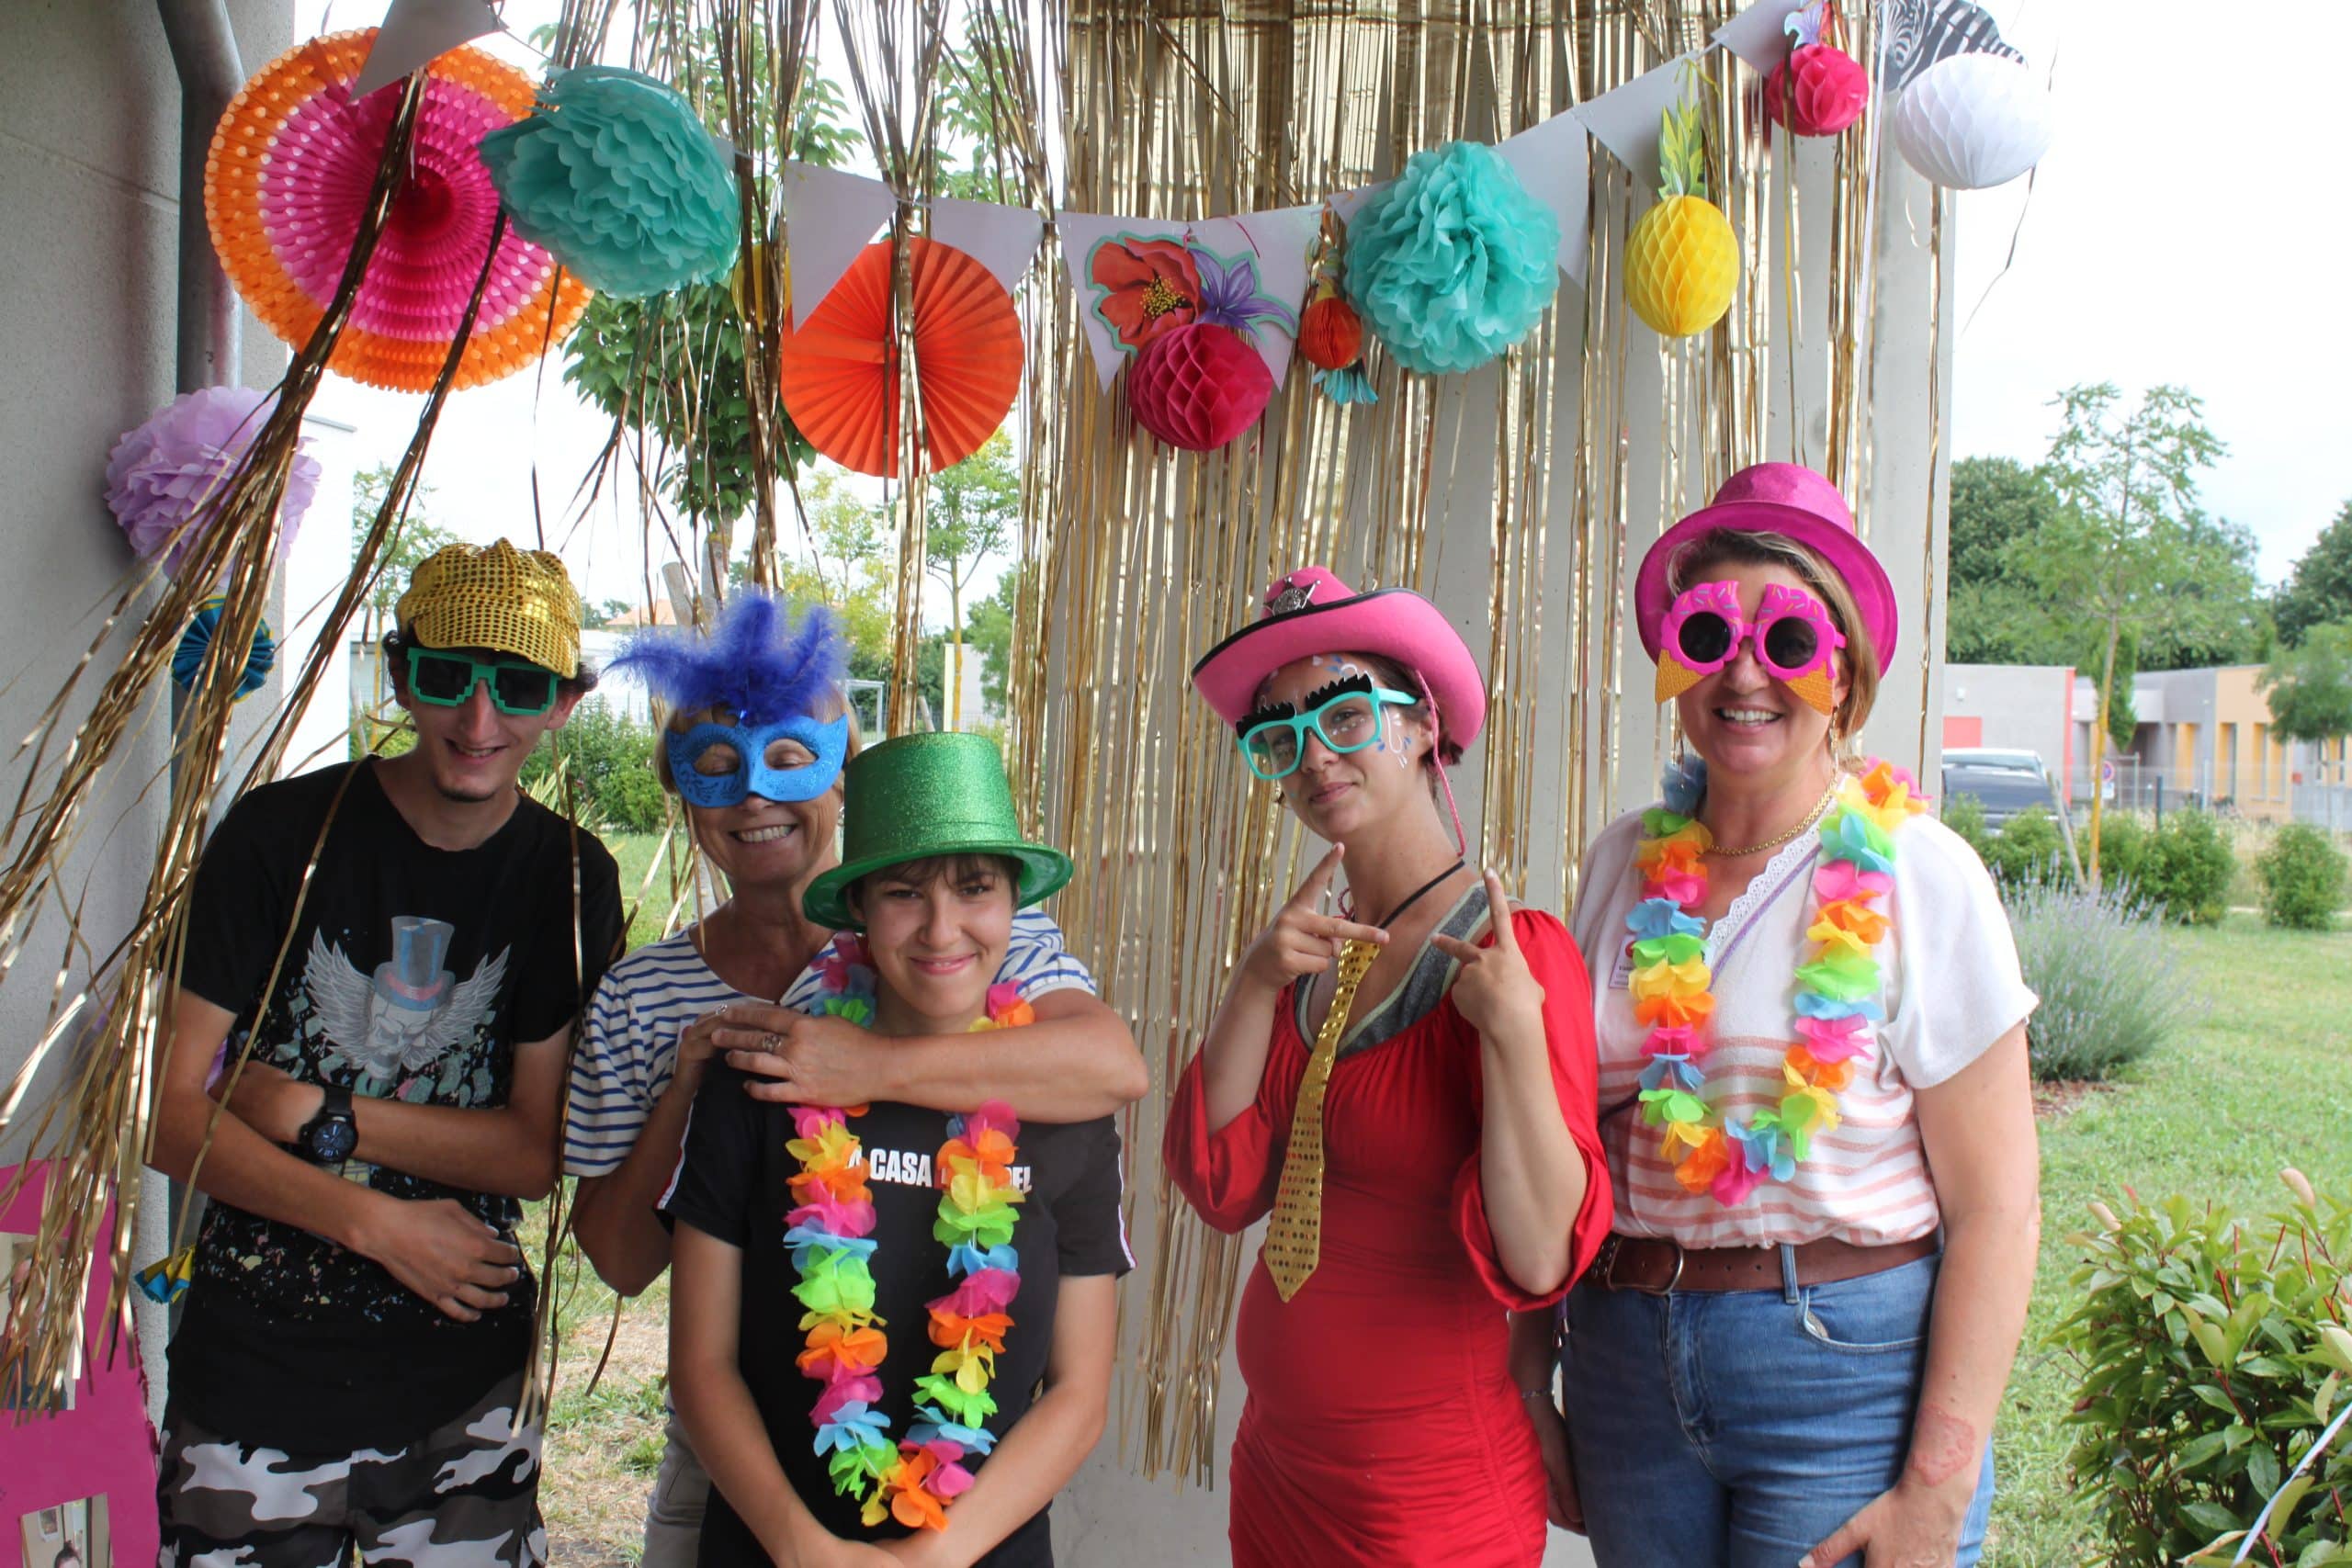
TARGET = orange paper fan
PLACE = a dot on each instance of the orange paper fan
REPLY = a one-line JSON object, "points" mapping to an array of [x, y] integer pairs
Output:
{"points": [[287, 181], [840, 372]]}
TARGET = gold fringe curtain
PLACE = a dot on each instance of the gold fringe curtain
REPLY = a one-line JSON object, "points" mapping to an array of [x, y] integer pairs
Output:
{"points": [[1517, 496]]}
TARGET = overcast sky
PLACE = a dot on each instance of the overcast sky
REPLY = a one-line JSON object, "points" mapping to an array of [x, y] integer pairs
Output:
{"points": [[2182, 229]]}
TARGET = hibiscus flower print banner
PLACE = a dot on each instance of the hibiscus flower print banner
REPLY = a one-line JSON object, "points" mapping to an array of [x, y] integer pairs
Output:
{"points": [[1138, 278]]}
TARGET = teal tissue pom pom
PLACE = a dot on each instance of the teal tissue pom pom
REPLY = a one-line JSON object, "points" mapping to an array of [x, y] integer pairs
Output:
{"points": [[614, 176], [1455, 261], [188, 659]]}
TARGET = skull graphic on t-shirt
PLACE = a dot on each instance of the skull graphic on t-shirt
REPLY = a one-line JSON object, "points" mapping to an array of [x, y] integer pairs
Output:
{"points": [[407, 1015]]}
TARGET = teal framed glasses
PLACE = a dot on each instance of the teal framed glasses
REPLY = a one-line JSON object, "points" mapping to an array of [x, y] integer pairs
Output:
{"points": [[1349, 722], [446, 679]]}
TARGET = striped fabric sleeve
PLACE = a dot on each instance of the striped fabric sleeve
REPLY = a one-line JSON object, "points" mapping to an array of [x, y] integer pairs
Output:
{"points": [[610, 1097], [1037, 962]]}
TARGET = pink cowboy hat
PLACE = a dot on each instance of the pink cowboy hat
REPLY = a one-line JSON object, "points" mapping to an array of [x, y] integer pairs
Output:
{"points": [[1312, 612], [1790, 500]]}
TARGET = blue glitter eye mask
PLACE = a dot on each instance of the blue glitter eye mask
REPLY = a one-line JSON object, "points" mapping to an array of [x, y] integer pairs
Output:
{"points": [[752, 775]]}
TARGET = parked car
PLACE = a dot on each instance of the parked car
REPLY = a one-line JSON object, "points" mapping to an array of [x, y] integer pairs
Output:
{"points": [[2013, 760], [2005, 782]]}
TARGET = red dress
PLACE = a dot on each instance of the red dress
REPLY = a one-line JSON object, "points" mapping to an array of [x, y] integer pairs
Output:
{"points": [[1382, 1424]]}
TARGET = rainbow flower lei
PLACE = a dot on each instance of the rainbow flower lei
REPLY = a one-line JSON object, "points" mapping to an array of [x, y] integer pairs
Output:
{"points": [[831, 1232], [1837, 987]]}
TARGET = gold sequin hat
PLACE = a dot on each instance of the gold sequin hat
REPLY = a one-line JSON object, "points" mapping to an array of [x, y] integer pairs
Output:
{"points": [[497, 597]]}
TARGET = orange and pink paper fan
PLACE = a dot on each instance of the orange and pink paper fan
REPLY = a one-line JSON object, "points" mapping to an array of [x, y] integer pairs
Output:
{"points": [[839, 370], [287, 180]]}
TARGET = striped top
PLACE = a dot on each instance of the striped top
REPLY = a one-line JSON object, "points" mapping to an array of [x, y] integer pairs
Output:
{"points": [[1952, 988], [648, 998]]}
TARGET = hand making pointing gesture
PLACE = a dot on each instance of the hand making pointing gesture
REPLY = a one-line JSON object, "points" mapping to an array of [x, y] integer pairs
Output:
{"points": [[1304, 941], [1495, 991]]}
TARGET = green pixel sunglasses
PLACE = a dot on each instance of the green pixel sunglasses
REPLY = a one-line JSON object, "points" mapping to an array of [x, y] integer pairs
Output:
{"points": [[445, 680]]}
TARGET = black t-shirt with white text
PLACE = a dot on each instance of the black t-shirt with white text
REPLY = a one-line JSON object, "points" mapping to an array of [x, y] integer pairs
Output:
{"points": [[412, 973], [731, 1185]]}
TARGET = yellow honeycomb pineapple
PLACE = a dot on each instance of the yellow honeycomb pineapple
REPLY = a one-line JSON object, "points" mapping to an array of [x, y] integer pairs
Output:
{"points": [[1681, 261]]}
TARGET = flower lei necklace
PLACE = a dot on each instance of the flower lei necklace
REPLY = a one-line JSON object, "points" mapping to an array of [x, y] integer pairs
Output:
{"points": [[1837, 987], [832, 1239]]}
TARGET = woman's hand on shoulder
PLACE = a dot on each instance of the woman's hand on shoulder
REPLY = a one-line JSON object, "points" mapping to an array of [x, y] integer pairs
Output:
{"points": [[1495, 991], [1302, 940], [804, 1059]]}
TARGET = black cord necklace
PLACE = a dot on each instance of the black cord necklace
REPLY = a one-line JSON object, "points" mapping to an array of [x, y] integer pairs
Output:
{"points": [[1416, 895]]}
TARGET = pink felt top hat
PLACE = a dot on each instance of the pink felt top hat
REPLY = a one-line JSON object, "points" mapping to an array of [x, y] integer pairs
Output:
{"points": [[1310, 612], [1790, 500]]}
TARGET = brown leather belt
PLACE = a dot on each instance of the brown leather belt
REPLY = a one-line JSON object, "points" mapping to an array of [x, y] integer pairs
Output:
{"points": [[1659, 1266]]}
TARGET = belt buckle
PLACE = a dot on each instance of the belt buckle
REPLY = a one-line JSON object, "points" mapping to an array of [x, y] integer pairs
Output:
{"points": [[1607, 1263]]}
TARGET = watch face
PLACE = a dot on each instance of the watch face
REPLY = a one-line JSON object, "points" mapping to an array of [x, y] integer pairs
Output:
{"points": [[334, 1141]]}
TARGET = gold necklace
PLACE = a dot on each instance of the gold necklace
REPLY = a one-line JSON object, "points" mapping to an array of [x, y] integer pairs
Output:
{"points": [[1776, 841]]}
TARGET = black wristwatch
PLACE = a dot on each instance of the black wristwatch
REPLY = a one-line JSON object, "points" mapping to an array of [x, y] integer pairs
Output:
{"points": [[329, 1137]]}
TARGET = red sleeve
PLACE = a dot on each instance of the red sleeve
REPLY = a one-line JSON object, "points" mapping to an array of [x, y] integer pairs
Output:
{"points": [[1576, 1080], [1228, 1175]]}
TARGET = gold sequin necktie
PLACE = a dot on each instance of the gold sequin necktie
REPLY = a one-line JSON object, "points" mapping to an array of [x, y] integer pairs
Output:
{"points": [[1294, 1235]]}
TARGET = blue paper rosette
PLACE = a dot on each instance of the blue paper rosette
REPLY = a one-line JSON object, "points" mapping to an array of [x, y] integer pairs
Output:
{"points": [[611, 173], [188, 659], [1453, 262]]}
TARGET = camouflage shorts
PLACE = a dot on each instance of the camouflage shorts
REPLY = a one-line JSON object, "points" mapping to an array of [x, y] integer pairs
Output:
{"points": [[464, 1496]]}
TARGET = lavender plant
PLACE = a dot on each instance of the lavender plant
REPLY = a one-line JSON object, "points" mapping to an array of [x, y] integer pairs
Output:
{"points": [[2110, 993]]}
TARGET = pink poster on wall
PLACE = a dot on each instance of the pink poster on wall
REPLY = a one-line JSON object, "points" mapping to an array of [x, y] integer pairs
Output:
{"points": [[77, 1486]]}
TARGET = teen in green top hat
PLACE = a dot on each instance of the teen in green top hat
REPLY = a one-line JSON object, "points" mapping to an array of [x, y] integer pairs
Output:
{"points": [[921, 797]]}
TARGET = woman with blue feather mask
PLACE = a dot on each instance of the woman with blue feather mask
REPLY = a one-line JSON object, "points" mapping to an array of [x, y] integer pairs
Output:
{"points": [[758, 735]]}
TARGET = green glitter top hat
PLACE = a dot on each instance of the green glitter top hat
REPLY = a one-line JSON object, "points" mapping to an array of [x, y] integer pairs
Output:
{"points": [[920, 795]]}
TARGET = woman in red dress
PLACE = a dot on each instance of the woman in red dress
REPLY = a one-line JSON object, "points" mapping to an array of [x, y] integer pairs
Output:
{"points": [[1406, 1090]]}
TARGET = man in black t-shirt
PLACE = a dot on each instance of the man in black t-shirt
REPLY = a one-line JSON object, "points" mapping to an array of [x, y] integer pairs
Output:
{"points": [[395, 951]]}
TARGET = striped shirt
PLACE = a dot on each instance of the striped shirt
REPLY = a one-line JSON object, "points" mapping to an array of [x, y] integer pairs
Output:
{"points": [[648, 998], [1952, 988]]}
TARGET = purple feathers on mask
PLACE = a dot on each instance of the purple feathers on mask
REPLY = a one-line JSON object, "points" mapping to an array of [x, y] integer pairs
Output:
{"points": [[754, 663]]}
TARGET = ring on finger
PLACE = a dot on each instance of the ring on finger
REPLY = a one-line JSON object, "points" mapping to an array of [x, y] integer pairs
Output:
{"points": [[772, 1043]]}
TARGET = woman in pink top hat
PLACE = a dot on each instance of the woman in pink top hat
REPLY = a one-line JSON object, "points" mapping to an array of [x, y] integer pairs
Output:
{"points": [[1404, 1090], [1813, 1091]]}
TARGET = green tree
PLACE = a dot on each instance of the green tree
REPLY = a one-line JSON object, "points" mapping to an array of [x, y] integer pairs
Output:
{"points": [[974, 506], [2319, 588], [2310, 687], [988, 629], [413, 539], [1990, 617], [844, 562], [973, 96], [2231, 624], [595, 617], [669, 368], [2123, 718], [2130, 542]]}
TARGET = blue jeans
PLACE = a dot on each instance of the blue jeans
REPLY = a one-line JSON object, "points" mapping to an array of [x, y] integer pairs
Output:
{"points": [[1738, 1429]]}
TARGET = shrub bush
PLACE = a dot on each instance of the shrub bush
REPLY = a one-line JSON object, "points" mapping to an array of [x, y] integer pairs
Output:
{"points": [[2302, 879], [1964, 815], [2212, 1361], [2186, 868], [2031, 851], [611, 759], [2122, 849], [2109, 992]]}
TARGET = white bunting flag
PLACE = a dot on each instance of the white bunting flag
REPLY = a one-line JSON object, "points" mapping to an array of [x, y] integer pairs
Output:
{"points": [[829, 218], [417, 32], [1626, 120], [1002, 239], [1554, 162], [1759, 35], [1346, 204], [1082, 233], [1277, 246]]}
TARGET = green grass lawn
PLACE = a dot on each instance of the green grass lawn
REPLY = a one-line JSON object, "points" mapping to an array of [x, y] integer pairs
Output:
{"points": [[635, 853], [2260, 1083]]}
